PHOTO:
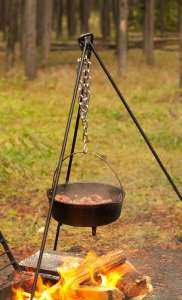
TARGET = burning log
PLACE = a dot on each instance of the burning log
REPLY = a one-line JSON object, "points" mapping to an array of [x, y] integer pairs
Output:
{"points": [[112, 271], [108, 277], [102, 264], [98, 293], [132, 283]]}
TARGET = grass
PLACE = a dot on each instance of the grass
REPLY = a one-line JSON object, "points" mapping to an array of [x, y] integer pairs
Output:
{"points": [[33, 117]]}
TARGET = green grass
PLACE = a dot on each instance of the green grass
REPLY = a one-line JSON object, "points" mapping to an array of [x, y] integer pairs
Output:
{"points": [[33, 116]]}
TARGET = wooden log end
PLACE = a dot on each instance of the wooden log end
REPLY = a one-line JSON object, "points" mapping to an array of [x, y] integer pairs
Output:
{"points": [[98, 293], [134, 285]]}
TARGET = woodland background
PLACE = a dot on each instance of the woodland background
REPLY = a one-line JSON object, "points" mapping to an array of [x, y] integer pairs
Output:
{"points": [[38, 26]]}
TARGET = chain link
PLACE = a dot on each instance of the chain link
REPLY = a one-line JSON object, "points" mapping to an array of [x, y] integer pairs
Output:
{"points": [[84, 96]]}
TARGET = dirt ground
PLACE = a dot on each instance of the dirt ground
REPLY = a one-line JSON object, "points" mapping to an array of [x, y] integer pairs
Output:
{"points": [[152, 256], [164, 266]]}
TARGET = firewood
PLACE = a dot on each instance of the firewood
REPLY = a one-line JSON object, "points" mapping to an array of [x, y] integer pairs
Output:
{"points": [[132, 283], [100, 264], [97, 293]]}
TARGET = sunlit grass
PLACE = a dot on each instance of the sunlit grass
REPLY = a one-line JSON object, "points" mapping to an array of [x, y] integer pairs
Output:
{"points": [[32, 122]]}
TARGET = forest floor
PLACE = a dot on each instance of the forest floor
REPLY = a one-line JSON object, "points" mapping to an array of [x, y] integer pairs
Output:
{"points": [[32, 122]]}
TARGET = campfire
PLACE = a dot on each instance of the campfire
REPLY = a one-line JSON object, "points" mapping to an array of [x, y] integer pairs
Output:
{"points": [[109, 276]]}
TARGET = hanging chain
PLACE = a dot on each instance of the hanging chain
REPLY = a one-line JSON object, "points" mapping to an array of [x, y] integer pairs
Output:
{"points": [[84, 96]]}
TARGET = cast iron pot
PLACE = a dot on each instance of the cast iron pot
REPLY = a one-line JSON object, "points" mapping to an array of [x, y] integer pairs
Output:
{"points": [[87, 215]]}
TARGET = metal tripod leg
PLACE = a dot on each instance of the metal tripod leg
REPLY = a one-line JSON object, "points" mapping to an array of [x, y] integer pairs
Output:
{"points": [[56, 177], [146, 139], [57, 236]]}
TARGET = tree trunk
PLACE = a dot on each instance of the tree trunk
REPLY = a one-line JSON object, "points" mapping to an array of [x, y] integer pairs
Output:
{"points": [[12, 30], [22, 32], [2, 15], [180, 39], [122, 39], [40, 21], [162, 16], [58, 18], [115, 5], [46, 37], [84, 15], [149, 31], [105, 19], [115, 12], [30, 38], [71, 17]]}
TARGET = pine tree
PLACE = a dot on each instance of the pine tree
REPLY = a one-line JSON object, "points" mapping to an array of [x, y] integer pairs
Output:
{"points": [[30, 38], [149, 31], [122, 35]]}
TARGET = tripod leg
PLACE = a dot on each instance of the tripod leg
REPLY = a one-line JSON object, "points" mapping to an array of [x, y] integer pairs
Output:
{"points": [[58, 170], [57, 236], [94, 231], [169, 178]]}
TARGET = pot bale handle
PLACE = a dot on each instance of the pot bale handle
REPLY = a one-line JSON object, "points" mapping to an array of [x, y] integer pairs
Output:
{"points": [[103, 159]]}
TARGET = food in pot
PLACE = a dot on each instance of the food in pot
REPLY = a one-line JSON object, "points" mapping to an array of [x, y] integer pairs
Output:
{"points": [[85, 200]]}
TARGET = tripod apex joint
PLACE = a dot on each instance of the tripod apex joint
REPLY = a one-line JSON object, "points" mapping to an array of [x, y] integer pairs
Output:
{"points": [[86, 37]]}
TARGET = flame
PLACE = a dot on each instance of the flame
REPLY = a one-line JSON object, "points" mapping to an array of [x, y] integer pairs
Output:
{"points": [[58, 291], [65, 288], [111, 278]]}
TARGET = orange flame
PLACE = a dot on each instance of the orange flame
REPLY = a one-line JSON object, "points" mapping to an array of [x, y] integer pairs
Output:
{"points": [[111, 279], [66, 286]]}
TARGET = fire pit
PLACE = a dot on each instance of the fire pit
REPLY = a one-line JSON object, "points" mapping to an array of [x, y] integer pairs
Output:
{"points": [[108, 277]]}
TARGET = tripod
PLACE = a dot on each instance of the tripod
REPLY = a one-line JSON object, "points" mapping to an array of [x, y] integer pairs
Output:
{"points": [[87, 48]]}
